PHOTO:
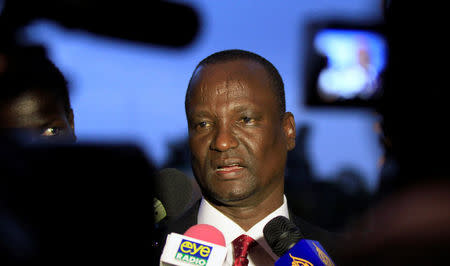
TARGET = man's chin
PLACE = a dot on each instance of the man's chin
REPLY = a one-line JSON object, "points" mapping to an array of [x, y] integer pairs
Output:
{"points": [[232, 198]]}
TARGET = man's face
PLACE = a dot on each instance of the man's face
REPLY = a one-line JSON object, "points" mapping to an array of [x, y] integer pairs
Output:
{"points": [[238, 141], [38, 114]]}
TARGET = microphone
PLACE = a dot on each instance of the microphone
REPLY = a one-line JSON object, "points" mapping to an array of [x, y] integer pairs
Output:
{"points": [[287, 242], [147, 22], [173, 193], [201, 244]]}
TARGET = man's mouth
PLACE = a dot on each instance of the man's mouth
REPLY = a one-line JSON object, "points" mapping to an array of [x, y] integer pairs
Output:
{"points": [[229, 168]]}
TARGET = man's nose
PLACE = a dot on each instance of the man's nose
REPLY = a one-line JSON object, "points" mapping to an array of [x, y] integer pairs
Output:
{"points": [[224, 139]]}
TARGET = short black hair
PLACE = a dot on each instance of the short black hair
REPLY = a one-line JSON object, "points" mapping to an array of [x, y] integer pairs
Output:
{"points": [[24, 68], [236, 54]]}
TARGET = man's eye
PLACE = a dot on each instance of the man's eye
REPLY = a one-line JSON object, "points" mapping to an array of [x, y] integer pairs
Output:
{"points": [[203, 124], [247, 120], [51, 131]]}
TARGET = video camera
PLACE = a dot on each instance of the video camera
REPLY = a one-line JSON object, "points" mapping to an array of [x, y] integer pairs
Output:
{"points": [[345, 64]]}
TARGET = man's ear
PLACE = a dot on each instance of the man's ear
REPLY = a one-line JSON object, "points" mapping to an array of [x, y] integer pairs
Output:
{"points": [[289, 130]]}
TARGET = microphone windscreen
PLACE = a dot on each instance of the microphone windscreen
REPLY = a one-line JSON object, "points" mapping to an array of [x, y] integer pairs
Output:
{"points": [[206, 233], [155, 22], [281, 234], [174, 190]]}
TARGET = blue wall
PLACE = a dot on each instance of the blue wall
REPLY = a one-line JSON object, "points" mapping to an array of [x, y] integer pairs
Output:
{"points": [[124, 91]]}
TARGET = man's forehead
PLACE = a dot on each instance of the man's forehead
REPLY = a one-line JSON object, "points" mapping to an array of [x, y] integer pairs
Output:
{"points": [[229, 88], [221, 70], [233, 78], [31, 101], [29, 109]]}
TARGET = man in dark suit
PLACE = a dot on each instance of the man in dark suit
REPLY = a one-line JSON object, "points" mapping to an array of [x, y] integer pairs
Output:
{"points": [[239, 136]]}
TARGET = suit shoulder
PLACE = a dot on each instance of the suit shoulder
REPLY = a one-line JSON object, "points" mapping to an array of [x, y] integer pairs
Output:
{"points": [[329, 240]]}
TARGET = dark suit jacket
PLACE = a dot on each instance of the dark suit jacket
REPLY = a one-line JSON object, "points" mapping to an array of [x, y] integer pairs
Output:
{"points": [[328, 240]]}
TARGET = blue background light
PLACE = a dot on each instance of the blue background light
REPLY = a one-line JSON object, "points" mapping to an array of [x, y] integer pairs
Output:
{"points": [[123, 91]]}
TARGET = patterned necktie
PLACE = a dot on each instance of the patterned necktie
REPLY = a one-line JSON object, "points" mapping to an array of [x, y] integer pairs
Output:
{"points": [[241, 246]]}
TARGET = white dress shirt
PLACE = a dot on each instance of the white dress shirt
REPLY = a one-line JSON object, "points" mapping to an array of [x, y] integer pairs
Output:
{"points": [[261, 254]]}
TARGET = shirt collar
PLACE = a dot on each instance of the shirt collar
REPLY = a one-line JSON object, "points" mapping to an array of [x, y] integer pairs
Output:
{"points": [[207, 214]]}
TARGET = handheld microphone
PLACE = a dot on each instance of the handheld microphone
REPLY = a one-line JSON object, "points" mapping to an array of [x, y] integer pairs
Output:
{"points": [[287, 242], [201, 244], [173, 193]]}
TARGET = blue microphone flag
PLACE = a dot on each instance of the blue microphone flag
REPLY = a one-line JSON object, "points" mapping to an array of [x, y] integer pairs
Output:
{"points": [[305, 253]]}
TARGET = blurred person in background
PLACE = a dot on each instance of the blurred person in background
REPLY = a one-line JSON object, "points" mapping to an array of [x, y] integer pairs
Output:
{"points": [[58, 201], [34, 108], [34, 97]]}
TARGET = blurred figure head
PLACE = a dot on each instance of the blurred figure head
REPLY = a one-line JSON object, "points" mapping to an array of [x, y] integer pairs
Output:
{"points": [[34, 97]]}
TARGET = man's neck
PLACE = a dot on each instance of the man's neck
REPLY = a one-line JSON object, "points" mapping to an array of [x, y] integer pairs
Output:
{"points": [[247, 215]]}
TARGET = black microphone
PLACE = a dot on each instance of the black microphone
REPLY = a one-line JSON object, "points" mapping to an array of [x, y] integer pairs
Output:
{"points": [[173, 193], [155, 22], [287, 242]]}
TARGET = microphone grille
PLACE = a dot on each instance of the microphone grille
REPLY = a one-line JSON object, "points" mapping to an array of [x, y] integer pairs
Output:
{"points": [[174, 190], [281, 235]]}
